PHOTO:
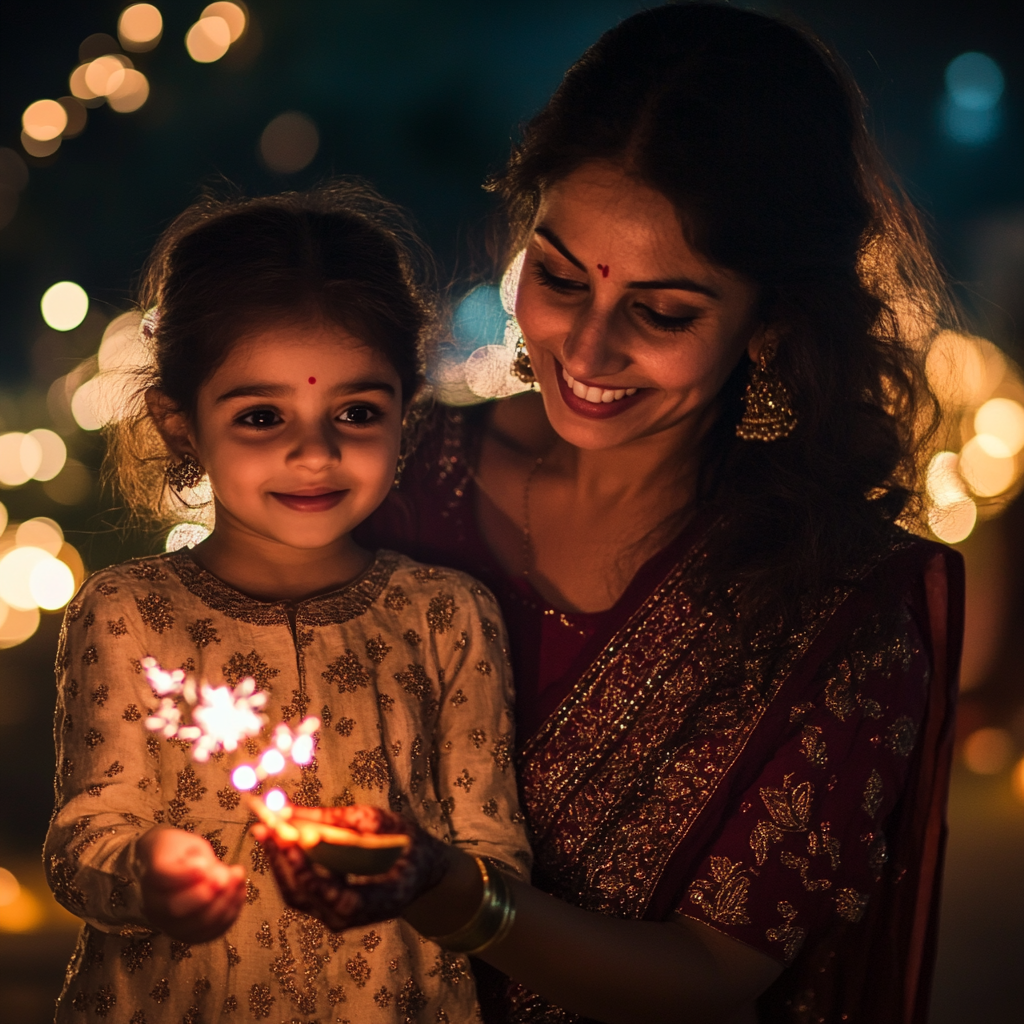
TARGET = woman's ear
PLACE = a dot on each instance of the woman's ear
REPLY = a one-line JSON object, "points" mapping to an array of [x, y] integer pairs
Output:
{"points": [[763, 336], [171, 423]]}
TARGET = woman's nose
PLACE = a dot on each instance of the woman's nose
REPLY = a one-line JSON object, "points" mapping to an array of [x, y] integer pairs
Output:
{"points": [[593, 348]]}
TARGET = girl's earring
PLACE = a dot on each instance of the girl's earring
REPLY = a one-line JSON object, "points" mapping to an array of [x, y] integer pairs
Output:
{"points": [[767, 408], [521, 367], [185, 474]]}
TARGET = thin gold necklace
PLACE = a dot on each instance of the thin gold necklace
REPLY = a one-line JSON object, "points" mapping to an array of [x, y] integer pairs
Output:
{"points": [[528, 552]]}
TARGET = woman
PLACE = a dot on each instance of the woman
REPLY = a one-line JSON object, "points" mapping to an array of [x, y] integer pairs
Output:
{"points": [[735, 672]]}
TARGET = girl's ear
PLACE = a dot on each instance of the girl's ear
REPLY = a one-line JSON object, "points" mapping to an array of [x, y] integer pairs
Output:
{"points": [[171, 423]]}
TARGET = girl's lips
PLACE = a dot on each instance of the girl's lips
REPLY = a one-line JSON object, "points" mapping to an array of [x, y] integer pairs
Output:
{"points": [[309, 502], [593, 410]]}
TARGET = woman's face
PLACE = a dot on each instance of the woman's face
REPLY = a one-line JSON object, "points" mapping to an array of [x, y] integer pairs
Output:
{"points": [[630, 331]]}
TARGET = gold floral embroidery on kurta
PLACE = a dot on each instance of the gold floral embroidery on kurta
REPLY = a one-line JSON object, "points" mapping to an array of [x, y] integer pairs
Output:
{"points": [[155, 612], [440, 612], [873, 793], [347, 673]]}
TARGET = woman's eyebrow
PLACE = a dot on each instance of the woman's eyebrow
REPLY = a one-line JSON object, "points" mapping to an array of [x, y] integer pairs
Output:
{"points": [[682, 284], [549, 236]]}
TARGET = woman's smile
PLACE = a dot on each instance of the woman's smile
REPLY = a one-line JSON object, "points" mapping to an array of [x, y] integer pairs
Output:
{"points": [[593, 400]]}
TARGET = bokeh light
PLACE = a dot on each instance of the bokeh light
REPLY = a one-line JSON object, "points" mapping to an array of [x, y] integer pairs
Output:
{"points": [[40, 532], [999, 424], [1017, 780], [9, 888], [71, 486], [140, 27], [3, 518], [963, 370], [54, 453], [93, 405], [21, 455], [15, 572], [122, 346], [953, 523], [289, 142], [275, 799], [38, 149], [51, 584], [105, 75], [80, 88], [17, 625], [77, 115], [272, 762], [970, 111], [186, 535], [244, 777], [131, 94], [988, 751], [64, 305], [233, 14], [23, 913], [44, 120], [208, 40], [985, 474]]}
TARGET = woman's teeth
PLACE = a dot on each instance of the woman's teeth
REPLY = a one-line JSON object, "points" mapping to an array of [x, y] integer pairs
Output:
{"points": [[595, 395]]}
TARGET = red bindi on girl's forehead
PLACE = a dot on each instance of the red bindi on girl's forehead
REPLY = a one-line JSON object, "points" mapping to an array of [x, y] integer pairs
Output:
{"points": [[312, 380], [604, 269]]}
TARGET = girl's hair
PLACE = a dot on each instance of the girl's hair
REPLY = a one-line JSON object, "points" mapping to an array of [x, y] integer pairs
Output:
{"points": [[338, 254], [756, 133]]}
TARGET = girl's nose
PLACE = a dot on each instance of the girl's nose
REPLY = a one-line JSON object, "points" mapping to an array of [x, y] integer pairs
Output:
{"points": [[316, 447]]}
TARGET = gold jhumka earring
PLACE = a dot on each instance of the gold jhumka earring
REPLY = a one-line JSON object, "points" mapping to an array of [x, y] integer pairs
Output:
{"points": [[185, 474], [521, 367], [767, 409]]}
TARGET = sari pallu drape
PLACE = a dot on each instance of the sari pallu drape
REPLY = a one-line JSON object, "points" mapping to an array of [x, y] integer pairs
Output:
{"points": [[628, 783]]}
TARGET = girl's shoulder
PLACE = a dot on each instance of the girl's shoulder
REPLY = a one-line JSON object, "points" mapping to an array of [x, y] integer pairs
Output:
{"points": [[126, 580], [413, 581]]}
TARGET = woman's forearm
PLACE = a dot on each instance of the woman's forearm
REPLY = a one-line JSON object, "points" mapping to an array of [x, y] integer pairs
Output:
{"points": [[605, 968]]}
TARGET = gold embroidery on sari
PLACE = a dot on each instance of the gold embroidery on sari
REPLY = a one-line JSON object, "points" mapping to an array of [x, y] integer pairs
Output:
{"points": [[850, 904], [872, 793], [790, 935], [723, 897]]}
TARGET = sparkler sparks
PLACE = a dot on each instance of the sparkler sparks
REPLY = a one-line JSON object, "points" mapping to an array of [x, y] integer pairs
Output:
{"points": [[219, 718]]}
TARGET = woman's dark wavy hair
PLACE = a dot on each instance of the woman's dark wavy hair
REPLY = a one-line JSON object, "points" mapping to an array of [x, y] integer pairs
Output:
{"points": [[336, 254], [756, 133]]}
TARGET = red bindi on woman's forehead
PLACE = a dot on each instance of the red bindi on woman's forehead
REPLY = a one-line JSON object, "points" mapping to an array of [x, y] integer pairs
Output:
{"points": [[604, 269], [312, 380]]}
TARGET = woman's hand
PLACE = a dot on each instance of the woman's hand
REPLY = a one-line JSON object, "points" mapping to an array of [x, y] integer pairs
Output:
{"points": [[186, 891], [314, 889]]}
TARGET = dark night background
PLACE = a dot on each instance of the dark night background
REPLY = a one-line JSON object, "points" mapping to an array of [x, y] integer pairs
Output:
{"points": [[422, 98]]}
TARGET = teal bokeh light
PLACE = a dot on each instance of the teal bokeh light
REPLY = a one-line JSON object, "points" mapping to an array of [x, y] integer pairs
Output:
{"points": [[971, 113]]}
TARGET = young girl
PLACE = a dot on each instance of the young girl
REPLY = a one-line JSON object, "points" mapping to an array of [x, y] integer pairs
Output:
{"points": [[286, 336]]}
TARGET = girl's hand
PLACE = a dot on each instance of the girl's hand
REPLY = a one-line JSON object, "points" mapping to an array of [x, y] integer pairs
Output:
{"points": [[314, 889], [186, 891]]}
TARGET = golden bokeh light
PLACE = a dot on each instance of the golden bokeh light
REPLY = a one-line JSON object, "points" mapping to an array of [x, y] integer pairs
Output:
{"points": [[64, 305], [39, 149], [51, 584], [17, 625], [208, 40], [3, 518], [985, 474], [140, 27], [79, 87], [23, 914], [942, 480], [15, 574], [233, 14], [988, 751], [73, 560], [1017, 780], [962, 369], [71, 486], [44, 120], [186, 535], [289, 142], [122, 347], [105, 75], [78, 116], [9, 888], [953, 523], [40, 532], [999, 424], [54, 453], [20, 458], [131, 94]]}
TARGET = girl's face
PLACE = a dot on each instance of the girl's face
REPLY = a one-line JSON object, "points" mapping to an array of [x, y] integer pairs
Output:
{"points": [[299, 429], [630, 332]]}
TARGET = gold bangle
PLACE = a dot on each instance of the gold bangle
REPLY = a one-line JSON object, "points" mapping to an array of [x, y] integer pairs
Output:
{"points": [[492, 921]]}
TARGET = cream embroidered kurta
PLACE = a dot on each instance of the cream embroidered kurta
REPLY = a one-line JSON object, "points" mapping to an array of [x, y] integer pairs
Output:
{"points": [[407, 669]]}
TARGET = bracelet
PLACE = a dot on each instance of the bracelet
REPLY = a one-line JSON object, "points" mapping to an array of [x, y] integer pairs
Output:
{"points": [[492, 921]]}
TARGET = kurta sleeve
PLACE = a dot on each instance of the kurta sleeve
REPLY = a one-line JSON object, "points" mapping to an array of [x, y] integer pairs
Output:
{"points": [[805, 849], [475, 741], [107, 778]]}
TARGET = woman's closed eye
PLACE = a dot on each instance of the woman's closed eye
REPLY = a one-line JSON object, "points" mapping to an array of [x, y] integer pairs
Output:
{"points": [[562, 285], [662, 322]]}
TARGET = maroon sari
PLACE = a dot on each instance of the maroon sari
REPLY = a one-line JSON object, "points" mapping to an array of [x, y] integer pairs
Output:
{"points": [[790, 794]]}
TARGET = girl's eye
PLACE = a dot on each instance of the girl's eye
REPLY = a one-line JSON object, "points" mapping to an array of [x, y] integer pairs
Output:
{"points": [[359, 414], [661, 322], [562, 285], [260, 418]]}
